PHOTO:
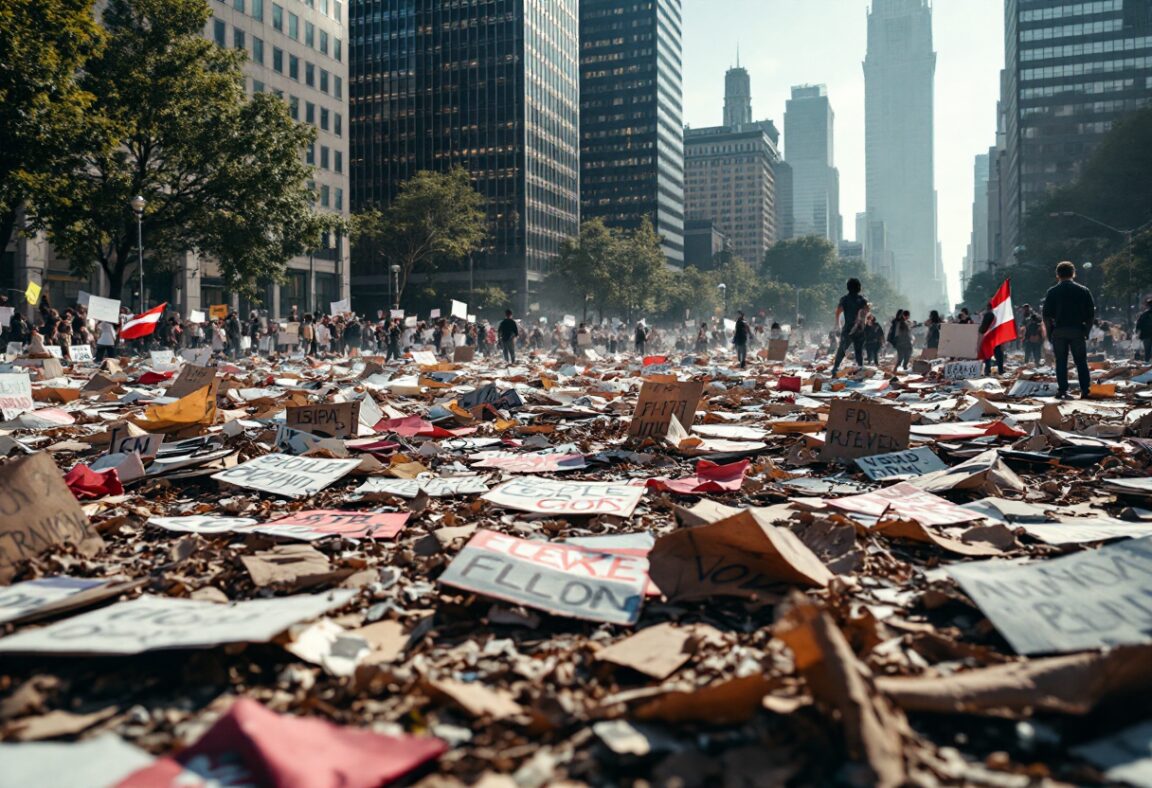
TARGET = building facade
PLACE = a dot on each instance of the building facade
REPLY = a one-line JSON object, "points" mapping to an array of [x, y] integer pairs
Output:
{"points": [[491, 86], [631, 117], [979, 244], [899, 78], [808, 149], [1071, 70], [703, 241], [737, 97], [730, 179]]}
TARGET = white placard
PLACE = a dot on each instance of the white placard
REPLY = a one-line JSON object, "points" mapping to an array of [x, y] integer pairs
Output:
{"points": [[162, 357], [197, 316], [106, 310], [83, 298], [410, 321], [19, 600], [459, 309], [152, 623], [342, 307], [396, 314], [6, 313], [81, 353], [433, 487], [55, 351], [199, 356], [204, 524], [959, 340], [14, 348], [435, 313], [962, 370], [15, 394], [547, 496], [283, 474], [471, 318]]}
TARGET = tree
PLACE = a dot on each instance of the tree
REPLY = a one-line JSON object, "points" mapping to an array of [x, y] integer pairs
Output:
{"points": [[692, 294], [743, 288], [807, 261], [639, 275], [42, 106], [223, 175], [436, 217], [582, 274]]}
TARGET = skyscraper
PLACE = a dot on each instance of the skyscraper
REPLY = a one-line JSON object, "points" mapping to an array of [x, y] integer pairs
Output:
{"points": [[631, 117], [492, 87], [808, 149], [737, 97], [977, 259], [899, 75], [1071, 70]]}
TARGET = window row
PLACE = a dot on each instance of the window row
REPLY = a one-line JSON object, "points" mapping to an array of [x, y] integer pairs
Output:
{"points": [[1089, 48], [1063, 31], [255, 8], [1082, 68], [1072, 9]]}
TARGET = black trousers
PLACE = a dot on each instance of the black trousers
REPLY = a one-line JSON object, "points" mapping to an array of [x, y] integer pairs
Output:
{"points": [[1033, 351], [1079, 349], [742, 354], [1147, 350], [998, 357], [857, 342]]}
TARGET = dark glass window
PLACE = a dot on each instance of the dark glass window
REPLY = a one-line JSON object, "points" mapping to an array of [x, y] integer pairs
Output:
{"points": [[258, 10], [258, 50], [309, 75], [278, 60], [310, 113], [293, 26], [219, 32], [323, 119], [294, 67], [237, 39], [278, 17]]}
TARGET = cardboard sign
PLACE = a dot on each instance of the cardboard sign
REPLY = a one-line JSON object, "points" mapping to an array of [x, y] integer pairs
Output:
{"points": [[55, 351], [38, 511], [218, 311], [962, 370], [297, 442], [777, 350], [464, 355], [905, 502], [410, 321], [283, 474], [435, 313], [152, 623], [81, 354], [459, 309], [191, 378], [396, 314], [564, 499], [162, 358], [321, 523], [328, 420], [102, 760], [121, 442], [537, 462], [341, 307], [557, 578], [15, 394], [6, 313], [864, 429], [204, 524], [1085, 601], [659, 402], [425, 358], [900, 465], [105, 310], [1023, 389], [22, 600], [959, 340], [433, 487]]}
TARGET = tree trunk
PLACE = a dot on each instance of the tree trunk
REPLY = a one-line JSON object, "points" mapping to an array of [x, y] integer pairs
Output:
{"points": [[7, 225]]}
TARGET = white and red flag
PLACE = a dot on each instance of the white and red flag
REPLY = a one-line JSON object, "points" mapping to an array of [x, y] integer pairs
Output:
{"points": [[143, 324], [1003, 322]]}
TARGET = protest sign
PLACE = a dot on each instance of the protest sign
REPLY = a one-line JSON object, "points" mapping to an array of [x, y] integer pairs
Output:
{"points": [[197, 316], [1022, 389], [162, 358], [80, 354], [340, 307], [962, 370], [37, 511], [863, 429], [464, 355], [901, 464], [411, 321], [425, 358], [14, 349], [15, 394], [369, 415], [6, 313], [565, 499], [959, 340], [558, 578], [537, 462], [122, 441], [742, 555], [1124, 757], [1085, 601], [777, 350], [434, 487], [905, 501], [396, 314], [191, 378], [569, 321], [328, 420], [659, 402], [218, 311], [204, 524], [22, 600], [435, 313], [152, 623], [55, 351], [106, 310], [283, 474], [321, 523], [459, 309]]}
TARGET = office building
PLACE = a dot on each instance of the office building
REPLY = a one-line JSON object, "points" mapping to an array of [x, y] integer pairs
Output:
{"points": [[785, 222], [492, 87], [703, 241], [899, 76], [978, 246], [1072, 70], [737, 97], [808, 150], [631, 117]]}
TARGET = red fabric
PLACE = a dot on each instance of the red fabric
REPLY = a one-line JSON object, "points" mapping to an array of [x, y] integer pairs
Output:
{"points": [[709, 477], [252, 745], [87, 484], [788, 383], [416, 427], [650, 361], [148, 378], [1004, 328], [143, 324]]}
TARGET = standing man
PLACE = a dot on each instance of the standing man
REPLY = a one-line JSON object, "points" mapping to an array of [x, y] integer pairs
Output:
{"points": [[1144, 329], [508, 332], [849, 309], [395, 331], [1069, 312], [740, 340], [986, 324], [232, 330]]}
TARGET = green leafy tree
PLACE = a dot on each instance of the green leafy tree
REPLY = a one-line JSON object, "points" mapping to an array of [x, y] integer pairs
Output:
{"points": [[639, 275], [692, 295], [743, 288], [42, 106], [223, 175], [808, 261], [581, 277], [437, 217]]}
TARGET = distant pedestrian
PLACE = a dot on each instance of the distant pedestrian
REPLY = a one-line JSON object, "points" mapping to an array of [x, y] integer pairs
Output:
{"points": [[641, 338], [507, 333], [740, 340], [1069, 313], [1033, 334], [1144, 329], [849, 310]]}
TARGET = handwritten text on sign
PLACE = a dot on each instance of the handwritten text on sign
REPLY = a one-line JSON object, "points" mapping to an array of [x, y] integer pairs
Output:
{"points": [[659, 402], [15, 394], [900, 464], [545, 496], [321, 523], [862, 429], [282, 474], [331, 420], [1084, 601], [557, 578], [962, 370]]}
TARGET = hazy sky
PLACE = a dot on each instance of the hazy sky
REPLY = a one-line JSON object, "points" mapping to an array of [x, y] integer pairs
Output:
{"points": [[793, 42]]}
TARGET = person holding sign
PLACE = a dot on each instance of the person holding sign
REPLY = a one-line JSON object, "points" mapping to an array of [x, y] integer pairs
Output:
{"points": [[1069, 313], [849, 310]]}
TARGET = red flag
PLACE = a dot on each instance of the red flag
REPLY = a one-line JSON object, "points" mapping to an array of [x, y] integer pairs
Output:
{"points": [[142, 325], [1003, 324]]}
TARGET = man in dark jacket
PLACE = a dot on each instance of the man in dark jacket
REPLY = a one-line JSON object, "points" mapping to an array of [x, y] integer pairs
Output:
{"points": [[507, 332], [849, 310], [232, 331], [1069, 312], [1144, 329], [740, 340]]}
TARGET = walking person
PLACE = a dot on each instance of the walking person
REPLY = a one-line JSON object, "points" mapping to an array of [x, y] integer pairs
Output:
{"points": [[902, 334], [932, 340], [1034, 338], [507, 333], [986, 324], [1144, 329], [1069, 313], [395, 331], [740, 340], [641, 338], [232, 331], [873, 339], [848, 310]]}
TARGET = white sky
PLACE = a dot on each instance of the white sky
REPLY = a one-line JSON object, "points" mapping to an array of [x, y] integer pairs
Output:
{"points": [[793, 42]]}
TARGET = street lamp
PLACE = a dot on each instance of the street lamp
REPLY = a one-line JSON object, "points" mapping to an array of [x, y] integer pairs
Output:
{"points": [[395, 286], [138, 204], [723, 288]]}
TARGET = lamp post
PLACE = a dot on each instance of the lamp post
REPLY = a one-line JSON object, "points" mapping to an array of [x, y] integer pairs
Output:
{"points": [[395, 286], [723, 288], [138, 204]]}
